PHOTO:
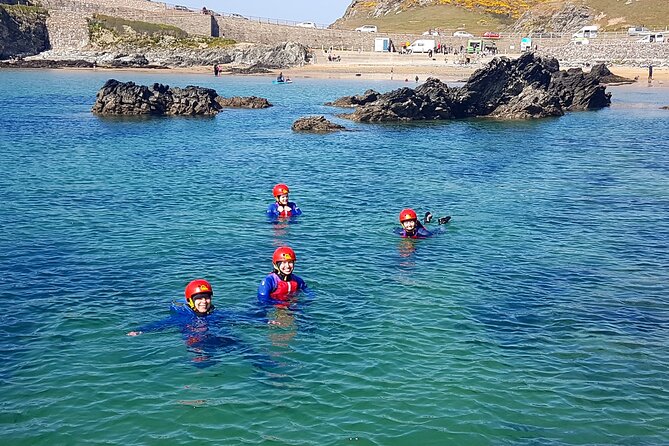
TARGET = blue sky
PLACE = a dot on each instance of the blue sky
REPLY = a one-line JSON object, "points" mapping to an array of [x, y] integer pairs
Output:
{"points": [[319, 11]]}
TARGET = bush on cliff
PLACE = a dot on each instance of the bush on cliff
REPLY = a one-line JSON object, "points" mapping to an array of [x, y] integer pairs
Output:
{"points": [[114, 32]]}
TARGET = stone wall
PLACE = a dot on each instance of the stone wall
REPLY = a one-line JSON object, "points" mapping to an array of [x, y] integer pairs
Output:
{"points": [[193, 23]]}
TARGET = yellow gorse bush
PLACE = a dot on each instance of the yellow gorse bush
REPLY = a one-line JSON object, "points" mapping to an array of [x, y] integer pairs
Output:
{"points": [[511, 8]]}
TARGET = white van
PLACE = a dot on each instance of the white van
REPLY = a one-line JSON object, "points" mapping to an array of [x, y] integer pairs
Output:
{"points": [[422, 46], [652, 38], [587, 32]]}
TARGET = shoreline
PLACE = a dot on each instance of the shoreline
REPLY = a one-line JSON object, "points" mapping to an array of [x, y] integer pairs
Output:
{"points": [[393, 67]]}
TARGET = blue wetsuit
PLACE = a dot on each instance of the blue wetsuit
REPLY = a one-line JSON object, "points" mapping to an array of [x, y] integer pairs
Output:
{"points": [[420, 232], [292, 211], [206, 334]]}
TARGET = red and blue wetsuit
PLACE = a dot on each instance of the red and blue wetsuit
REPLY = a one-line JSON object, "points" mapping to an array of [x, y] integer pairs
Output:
{"points": [[274, 289], [289, 210]]}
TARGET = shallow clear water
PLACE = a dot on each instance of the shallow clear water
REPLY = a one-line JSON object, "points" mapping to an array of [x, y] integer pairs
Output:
{"points": [[540, 316]]}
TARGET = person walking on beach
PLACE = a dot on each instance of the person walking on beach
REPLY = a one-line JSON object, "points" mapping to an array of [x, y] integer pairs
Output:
{"points": [[282, 207], [281, 284], [650, 73]]}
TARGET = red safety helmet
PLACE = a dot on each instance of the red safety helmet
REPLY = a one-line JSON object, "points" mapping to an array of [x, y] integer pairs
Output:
{"points": [[198, 286], [408, 214], [283, 254], [280, 189]]}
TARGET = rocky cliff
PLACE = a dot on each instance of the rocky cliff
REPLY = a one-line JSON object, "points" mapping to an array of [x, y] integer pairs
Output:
{"points": [[23, 31]]}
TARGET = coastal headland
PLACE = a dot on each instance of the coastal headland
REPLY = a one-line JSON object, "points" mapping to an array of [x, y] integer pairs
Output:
{"points": [[250, 47]]}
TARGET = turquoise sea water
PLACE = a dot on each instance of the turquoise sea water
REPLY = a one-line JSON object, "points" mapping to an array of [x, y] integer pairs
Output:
{"points": [[540, 317]]}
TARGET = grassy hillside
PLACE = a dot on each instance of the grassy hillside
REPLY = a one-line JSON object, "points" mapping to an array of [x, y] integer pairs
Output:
{"points": [[483, 15], [418, 20], [619, 15], [109, 32]]}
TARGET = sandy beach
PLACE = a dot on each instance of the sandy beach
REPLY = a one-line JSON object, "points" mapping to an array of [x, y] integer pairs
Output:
{"points": [[384, 66], [406, 67]]}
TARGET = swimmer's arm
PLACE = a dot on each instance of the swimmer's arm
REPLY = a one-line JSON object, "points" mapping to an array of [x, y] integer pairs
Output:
{"points": [[295, 210], [155, 326], [272, 210], [265, 289]]}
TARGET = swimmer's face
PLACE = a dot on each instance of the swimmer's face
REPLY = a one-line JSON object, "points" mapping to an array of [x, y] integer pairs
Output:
{"points": [[202, 302], [286, 267], [282, 199], [409, 225]]}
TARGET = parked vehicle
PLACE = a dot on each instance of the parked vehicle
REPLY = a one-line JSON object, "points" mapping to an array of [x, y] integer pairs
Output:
{"points": [[464, 34], [367, 29], [431, 32], [652, 37], [237, 16], [306, 25], [587, 32], [491, 35], [422, 46], [638, 31], [181, 8]]}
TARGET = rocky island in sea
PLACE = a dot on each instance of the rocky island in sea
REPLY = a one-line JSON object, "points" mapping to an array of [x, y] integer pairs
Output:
{"points": [[128, 98], [524, 88]]}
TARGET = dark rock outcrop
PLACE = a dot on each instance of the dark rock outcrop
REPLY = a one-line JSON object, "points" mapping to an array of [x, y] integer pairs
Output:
{"points": [[46, 63], [524, 88], [23, 31], [243, 102], [666, 107], [127, 98], [354, 101], [316, 124], [605, 76]]}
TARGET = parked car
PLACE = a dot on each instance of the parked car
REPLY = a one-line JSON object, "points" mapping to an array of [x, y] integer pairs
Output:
{"points": [[652, 37], [237, 16], [181, 8], [306, 25], [431, 32], [367, 29], [491, 35], [638, 31], [464, 34]]}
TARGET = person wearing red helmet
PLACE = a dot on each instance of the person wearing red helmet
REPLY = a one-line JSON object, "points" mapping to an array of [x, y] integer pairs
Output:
{"points": [[282, 207], [206, 331], [281, 284], [197, 295], [411, 227]]}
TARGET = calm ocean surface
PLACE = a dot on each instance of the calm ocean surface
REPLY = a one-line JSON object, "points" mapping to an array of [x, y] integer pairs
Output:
{"points": [[540, 317]]}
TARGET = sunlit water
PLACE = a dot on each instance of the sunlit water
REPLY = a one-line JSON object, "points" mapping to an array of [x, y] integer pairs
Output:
{"points": [[540, 316]]}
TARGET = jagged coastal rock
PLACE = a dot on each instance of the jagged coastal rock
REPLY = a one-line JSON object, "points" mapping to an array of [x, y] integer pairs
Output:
{"points": [[23, 31], [127, 98], [243, 102], [316, 124], [525, 88], [352, 101]]}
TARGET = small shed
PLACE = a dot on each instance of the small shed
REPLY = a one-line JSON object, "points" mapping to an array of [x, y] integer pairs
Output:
{"points": [[381, 44]]}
